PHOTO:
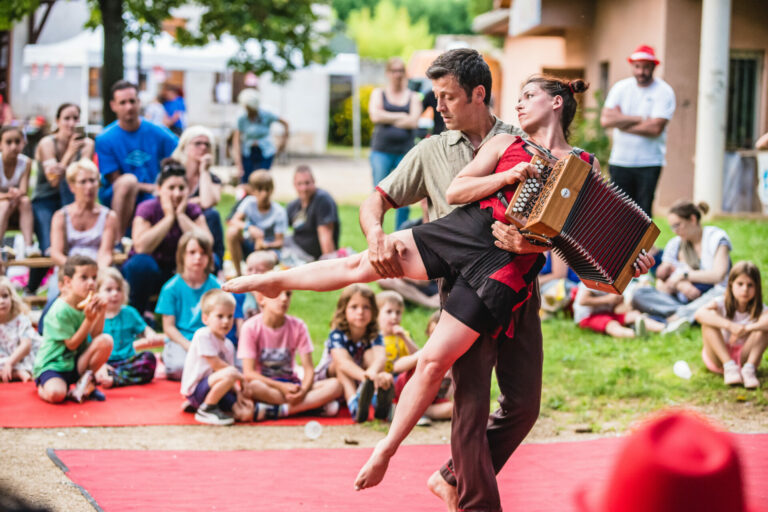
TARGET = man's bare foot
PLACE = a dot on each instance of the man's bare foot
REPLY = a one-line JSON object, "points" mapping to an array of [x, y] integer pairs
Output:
{"points": [[261, 283], [374, 469], [444, 491]]}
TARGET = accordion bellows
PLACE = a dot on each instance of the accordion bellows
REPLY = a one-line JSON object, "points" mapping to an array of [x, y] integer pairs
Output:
{"points": [[596, 228]]}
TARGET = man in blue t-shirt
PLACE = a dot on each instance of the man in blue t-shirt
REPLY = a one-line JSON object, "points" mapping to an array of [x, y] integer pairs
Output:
{"points": [[129, 152]]}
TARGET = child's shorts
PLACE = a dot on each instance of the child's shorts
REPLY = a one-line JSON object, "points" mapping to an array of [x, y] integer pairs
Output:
{"points": [[734, 350], [600, 321], [69, 377], [201, 391]]}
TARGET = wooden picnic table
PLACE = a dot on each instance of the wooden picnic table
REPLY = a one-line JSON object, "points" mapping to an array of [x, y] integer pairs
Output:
{"points": [[44, 261]]}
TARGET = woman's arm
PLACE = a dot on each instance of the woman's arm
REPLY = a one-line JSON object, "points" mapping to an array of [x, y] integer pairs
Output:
{"points": [[210, 192], [147, 237], [377, 113], [108, 240], [477, 180], [173, 334], [58, 238], [718, 271], [411, 120], [709, 316]]}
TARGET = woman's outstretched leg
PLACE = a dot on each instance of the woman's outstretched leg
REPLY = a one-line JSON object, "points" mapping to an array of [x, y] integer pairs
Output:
{"points": [[328, 275], [448, 342]]}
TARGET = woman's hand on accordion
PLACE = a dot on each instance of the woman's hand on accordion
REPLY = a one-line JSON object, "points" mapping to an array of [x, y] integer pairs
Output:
{"points": [[643, 263], [520, 173], [509, 238]]}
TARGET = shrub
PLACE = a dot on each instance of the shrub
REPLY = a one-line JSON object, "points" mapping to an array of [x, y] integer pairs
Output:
{"points": [[340, 130]]}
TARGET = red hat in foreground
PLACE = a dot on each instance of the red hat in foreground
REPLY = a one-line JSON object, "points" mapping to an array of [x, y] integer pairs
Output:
{"points": [[643, 52], [673, 463]]}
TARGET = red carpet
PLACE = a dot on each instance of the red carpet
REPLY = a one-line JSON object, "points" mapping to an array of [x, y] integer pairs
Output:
{"points": [[539, 478], [156, 403]]}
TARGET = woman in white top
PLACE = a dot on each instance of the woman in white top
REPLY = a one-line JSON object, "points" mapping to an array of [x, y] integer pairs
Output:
{"points": [[83, 227], [693, 270], [14, 181], [195, 152]]}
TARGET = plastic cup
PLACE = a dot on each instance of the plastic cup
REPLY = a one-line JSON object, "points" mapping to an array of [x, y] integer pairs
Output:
{"points": [[682, 370], [313, 429]]}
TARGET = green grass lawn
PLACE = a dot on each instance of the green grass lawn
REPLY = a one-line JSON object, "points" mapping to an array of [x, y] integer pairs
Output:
{"points": [[592, 378]]}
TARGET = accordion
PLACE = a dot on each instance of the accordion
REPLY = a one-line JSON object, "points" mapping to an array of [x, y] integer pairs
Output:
{"points": [[594, 226]]}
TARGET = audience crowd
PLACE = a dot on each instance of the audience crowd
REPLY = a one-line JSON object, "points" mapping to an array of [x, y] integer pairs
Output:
{"points": [[146, 192]]}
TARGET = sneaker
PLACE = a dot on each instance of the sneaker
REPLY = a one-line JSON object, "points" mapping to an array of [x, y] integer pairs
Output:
{"points": [[82, 388], [749, 376], [732, 375], [641, 331], [364, 397], [96, 395], [212, 415], [384, 403], [424, 421], [676, 326], [32, 251], [330, 409], [186, 406]]}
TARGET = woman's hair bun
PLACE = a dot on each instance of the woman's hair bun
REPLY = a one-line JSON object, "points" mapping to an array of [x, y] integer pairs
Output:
{"points": [[578, 85]]}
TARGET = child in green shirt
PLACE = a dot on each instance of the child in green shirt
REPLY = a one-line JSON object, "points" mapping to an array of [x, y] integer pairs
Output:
{"points": [[74, 346]]}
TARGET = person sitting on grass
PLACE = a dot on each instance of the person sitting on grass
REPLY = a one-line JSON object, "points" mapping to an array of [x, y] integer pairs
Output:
{"points": [[14, 181], [734, 328], [210, 380], [608, 313], [74, 346], [403, 354], [129, 333], [354, 353], [19, 341], [268, 346], [258, 222], [179, 300]]}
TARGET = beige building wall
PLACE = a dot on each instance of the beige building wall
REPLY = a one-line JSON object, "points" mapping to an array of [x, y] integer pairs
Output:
{"points": [[749, 31]]}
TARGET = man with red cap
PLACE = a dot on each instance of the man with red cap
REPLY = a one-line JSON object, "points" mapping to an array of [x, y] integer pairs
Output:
{"points": [[638, 109]]}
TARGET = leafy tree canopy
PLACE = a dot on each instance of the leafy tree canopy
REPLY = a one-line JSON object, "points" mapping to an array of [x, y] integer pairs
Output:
{"points": [[388, 32]]}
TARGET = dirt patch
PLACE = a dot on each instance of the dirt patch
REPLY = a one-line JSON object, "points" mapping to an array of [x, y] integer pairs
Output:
{"points": [[29, 473]]}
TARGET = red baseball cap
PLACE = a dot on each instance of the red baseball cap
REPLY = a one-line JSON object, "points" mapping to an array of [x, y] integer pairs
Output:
{"points": [[675, 462], [644, 52]]}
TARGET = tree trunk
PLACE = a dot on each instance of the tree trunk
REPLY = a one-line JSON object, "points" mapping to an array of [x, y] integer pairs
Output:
{"points": [[112, 67]]}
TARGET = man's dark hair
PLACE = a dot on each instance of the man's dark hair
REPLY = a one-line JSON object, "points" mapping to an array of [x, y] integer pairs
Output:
{"points": [[467, 66], [120, 85]]}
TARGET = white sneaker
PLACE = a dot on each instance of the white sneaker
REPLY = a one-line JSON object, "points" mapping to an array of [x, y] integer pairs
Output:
{"points": [[424, 421], [32, 251], [732, 375], [749, 376], [676, 326]]}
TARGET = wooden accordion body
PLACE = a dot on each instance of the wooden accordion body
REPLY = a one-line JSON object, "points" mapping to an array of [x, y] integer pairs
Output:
{"points": [[595, 227]]}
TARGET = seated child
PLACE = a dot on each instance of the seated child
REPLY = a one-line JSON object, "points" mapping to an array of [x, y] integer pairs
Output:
{"points": [[209, 381], [268, 348], [179, 300], [395, 340], [258, 223], [354, 353], [14, 170], [129, 333], [608, 313], [19, 341], [258, 262], [734, 328], [74, 346]]}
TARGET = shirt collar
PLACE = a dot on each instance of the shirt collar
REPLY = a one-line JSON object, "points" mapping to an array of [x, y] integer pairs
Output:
{"points": [[455, 136]]}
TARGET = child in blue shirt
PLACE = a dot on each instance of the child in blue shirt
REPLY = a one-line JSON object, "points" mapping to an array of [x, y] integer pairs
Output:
{"points": [[129, 333], [179, 300]]}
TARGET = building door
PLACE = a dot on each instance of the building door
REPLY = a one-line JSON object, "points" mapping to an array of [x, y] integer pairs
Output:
{"points": [[744, 86]]}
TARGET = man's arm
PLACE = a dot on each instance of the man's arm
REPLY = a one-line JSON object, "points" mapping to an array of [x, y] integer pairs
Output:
{"points": [[651, 127], [325, 237], [381, 247], [614, 118]]}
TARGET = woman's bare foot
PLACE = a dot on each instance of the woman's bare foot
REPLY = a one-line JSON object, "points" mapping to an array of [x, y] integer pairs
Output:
{"points": [[262, 283], [374, 469], [444, 491]]}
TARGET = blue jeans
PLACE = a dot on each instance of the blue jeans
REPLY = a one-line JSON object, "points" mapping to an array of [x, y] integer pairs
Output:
{"points": [[42, 210], [213, 219], [254, 162], [382, 164], [145, 277]]}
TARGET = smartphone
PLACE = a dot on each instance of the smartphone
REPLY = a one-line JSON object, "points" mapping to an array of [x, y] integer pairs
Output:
{"points": [[79, 132]]}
